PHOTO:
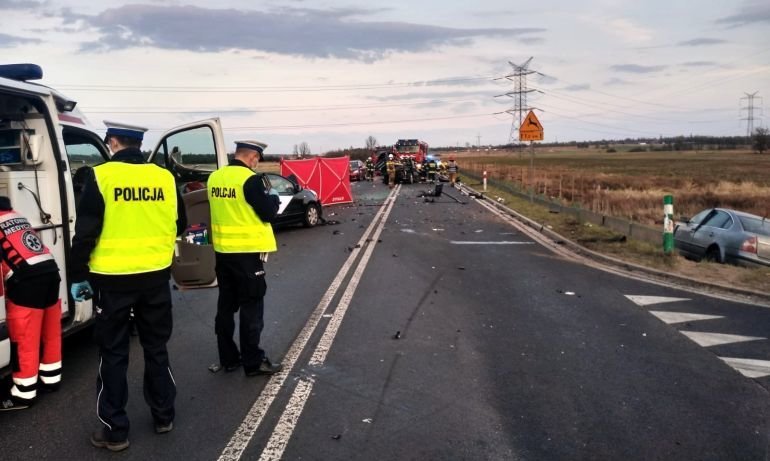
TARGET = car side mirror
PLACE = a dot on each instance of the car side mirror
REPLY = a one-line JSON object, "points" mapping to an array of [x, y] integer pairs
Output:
{"points": [[297, 188], [684, 219]]}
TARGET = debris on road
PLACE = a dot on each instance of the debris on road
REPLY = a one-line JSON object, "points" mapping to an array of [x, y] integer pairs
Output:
{"points": [[397, 335], [215, 367]]}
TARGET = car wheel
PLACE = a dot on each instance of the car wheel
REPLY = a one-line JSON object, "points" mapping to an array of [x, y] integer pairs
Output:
{"points": [[312, 215], [713, 255]]}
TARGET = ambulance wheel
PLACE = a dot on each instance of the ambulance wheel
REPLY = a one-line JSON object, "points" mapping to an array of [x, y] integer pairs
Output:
{"points": [[312, 215]]}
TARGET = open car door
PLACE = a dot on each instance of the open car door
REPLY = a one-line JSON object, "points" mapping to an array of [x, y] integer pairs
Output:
{"points": [[191, 153]]}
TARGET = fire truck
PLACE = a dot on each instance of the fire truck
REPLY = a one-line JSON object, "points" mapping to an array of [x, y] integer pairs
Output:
{"points": [[47, 147], [412, 148]]}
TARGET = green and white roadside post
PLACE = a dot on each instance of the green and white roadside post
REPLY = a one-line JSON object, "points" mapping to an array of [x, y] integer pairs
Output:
{"points": [[668, 224]]}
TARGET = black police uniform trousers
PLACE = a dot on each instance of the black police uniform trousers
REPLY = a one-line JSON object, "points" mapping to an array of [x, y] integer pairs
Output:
{"points": [[153, 319], [242, 286]]}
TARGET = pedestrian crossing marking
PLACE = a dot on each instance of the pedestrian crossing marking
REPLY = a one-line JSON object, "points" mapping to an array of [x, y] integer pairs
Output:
{"points": [[679, 317], [717, 339], [750, 368], [650, 300]]}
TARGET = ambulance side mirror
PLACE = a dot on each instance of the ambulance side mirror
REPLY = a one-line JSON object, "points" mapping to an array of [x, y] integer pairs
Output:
{"points": [[32, 154]]}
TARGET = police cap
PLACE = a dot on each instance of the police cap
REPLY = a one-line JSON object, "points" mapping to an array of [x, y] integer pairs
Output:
{"points": [[252, 145], [124, 129]]}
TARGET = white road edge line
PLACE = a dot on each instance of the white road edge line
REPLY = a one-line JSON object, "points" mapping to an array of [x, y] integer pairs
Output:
{"points": [[243, 435], [288, 421]]}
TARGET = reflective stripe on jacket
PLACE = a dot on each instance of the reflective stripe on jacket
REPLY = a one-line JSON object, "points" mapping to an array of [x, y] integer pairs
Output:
{"points": [[140, 213], [235, 226], [21, 246]]}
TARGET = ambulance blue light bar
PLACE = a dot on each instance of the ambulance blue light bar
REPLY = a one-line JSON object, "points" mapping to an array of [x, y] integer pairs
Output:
{"points": [[21, 72]]}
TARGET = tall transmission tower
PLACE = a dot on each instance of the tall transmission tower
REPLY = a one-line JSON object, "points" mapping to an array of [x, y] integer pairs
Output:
{"points": [[750, 109], [519, 95]]}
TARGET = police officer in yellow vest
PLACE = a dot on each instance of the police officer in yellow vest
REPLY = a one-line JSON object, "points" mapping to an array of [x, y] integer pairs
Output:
{"points": [[242, 206], [128, 218]]}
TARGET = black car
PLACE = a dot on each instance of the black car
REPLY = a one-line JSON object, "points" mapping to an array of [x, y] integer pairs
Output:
{"points": [[298, 205]]}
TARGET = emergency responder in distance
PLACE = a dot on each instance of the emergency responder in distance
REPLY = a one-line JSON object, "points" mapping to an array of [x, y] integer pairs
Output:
{"points": [[390, 167], [452, 169], [432, 169], [242, 206], [369, 169], [33, 309], [129, 216]]}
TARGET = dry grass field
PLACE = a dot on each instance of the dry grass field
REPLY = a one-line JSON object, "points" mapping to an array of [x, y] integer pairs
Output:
{"points": [[632, 184]]}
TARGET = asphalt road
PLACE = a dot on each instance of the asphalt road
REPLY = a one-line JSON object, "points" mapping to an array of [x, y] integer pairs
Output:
{"points": [[434, 330]]}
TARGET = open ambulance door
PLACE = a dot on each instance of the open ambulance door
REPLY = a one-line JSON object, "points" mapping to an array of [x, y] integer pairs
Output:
{"points": [[191, 153]]}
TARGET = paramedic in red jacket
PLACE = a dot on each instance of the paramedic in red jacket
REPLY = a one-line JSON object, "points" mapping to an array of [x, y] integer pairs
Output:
{"points": [[33, 309]]}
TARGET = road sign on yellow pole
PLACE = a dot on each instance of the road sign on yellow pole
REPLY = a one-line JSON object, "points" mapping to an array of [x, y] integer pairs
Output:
{"points": [[531, 129]]}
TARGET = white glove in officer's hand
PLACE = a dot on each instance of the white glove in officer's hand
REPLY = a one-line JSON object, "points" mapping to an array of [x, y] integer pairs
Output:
{"points": [[81, 291], [272, 191]]}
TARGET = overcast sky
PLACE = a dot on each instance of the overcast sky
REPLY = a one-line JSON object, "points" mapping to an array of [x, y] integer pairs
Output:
{"points": [[332, 73]]}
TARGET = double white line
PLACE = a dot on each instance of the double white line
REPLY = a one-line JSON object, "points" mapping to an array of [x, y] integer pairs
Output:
{"points": [[288, 420]]}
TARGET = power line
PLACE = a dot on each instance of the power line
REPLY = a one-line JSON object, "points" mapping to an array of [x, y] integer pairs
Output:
{"points": [[652, 118], [279, 108], [329, 125], [264, 89]]}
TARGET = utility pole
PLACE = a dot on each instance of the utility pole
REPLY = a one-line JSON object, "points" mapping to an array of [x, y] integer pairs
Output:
{"points": [[750, 109], [519, 95], [478, 140]]}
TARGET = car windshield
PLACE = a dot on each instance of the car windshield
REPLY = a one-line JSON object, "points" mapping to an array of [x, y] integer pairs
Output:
{"points": [[755, 225]]}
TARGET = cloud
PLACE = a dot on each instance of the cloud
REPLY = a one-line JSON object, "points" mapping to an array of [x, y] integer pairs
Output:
{"points": [[581, 87], [750, 13], [699, 63], [628, 31], [614, 81], [701, 42], [20, 4], [636, 69], [11, 40], [532, 40], [546, 79], [289, 31]]}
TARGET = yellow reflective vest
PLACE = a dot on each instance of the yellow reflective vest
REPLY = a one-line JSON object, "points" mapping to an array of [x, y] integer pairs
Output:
{"points": [[140, 213], [235, 226]]}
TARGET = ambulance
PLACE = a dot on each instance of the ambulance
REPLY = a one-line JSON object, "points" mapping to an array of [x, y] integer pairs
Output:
{"points": [[47, 147]]}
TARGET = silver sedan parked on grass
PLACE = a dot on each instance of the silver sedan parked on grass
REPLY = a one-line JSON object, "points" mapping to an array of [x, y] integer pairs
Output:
{"points": [[723, 235]]}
